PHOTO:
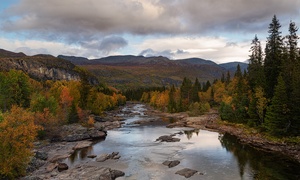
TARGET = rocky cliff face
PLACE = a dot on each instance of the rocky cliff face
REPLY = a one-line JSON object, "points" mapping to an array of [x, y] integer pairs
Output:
{"points": [[46, 67], [39, 70]]}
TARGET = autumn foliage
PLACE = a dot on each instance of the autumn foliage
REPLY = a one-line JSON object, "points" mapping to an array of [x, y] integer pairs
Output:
{"points": [[29, 108], [17, 133]]}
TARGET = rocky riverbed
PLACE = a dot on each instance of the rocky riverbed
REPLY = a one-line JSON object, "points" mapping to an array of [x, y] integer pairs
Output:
{"points": [[48, 162]]}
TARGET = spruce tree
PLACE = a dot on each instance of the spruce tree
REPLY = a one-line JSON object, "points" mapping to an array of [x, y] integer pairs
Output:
{"points": [[238, 72], [227, 81], [273, 51], [196, 88], [185, 93], [255, 68], [223, 78], [295, 108], [290, 57], [277, 121], [172, 103]]}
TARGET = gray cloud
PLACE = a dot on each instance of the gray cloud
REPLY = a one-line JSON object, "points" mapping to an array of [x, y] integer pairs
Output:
{"points": [[99, 24], [234, 15], [30, 51], [109, 44], [87, 18], [166, 53]]}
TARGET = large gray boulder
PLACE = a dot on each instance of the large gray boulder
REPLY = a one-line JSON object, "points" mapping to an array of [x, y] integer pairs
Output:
{"points": [[171, 164], [167, 138], [186, 172]]}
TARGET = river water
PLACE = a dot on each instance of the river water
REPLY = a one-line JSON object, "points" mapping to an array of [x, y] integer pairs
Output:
{"points": [[215, 156]]}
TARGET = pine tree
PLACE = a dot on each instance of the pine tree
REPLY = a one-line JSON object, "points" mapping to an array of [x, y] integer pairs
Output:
{"points": [[273, 51], [277, 121]]}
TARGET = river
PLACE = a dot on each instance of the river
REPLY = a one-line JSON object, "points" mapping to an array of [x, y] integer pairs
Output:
{"points": [[213, 155]]}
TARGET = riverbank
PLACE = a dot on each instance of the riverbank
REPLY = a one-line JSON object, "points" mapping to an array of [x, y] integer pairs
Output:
{"points": [[250, 136]]}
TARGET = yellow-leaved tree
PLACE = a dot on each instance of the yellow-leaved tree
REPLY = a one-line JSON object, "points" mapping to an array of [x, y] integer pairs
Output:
{"points": [[17, 133]]}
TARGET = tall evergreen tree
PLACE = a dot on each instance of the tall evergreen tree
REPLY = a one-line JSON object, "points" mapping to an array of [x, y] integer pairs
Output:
{"points": [[290, 57], [238, 72], [185, 92], [172, 103], [255, 68], [223, 78], [273, 51], [196, 88], [206, 86], [293, 42], [277, 120], [227, 81], [295, 108]]}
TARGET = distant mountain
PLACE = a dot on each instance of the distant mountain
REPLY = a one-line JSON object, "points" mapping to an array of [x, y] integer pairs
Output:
{"points": [[5, 53], [43, 67], [138, 71], [231, 66], [75, 60], [122, 72], [196, 61]]}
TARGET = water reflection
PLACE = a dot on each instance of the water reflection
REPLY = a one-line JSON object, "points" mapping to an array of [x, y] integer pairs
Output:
{"points": [[264, 165], [189, 133]]}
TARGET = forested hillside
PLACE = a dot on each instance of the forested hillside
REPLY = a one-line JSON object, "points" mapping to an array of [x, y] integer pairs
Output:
{"points": [[133, 72], [267, 96]]}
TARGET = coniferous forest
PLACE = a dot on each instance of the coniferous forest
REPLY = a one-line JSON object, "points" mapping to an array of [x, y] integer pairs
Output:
{"points": [[267, 96]]}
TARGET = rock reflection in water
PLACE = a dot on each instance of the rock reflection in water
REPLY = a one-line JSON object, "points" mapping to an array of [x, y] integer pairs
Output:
{"points": [[189, 133], [80, 154]]}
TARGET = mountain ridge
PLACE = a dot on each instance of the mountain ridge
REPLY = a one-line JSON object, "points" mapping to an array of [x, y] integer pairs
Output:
{"points": [[122, 72], [130, 71]]}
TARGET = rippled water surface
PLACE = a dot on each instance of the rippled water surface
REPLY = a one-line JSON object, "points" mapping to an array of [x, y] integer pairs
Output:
{"points": [[214, 155]]}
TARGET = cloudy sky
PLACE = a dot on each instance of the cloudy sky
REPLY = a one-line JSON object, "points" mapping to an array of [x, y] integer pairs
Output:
{"points": [[218, 30]]}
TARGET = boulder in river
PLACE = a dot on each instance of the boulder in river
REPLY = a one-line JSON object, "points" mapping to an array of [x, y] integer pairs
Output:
{"points": [[167, 138], [186, 172], [171, 164], [82, 144], [62, 167], [104, 157]]}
